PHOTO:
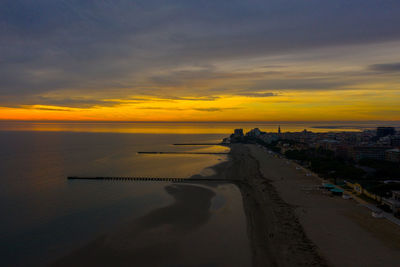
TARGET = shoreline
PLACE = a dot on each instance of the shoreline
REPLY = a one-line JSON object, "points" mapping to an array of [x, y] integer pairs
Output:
{"points": [[277, 238], [286, 226]]}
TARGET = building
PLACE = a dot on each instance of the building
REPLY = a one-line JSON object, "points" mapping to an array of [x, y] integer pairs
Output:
{"points": [[342, 151], [396, 195], [368, 152], [395, 141], [238, 132], [393, 155], [254, 133], [269, 137], [237, 136], [384, 141], [385, 131], [327, 144], [393, 203]]}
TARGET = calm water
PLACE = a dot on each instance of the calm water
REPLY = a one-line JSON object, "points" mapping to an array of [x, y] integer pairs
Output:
{"points": [[45, 216], [190, 128]]}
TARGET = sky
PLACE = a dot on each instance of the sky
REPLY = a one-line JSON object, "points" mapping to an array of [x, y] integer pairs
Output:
{"points": [[195, 60]]}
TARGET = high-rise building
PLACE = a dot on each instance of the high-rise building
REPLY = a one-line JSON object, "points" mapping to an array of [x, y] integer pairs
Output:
{"points": [[238, 132], [393, 155], [385, 131], [254, 132], [369, 152], [395, 141]]}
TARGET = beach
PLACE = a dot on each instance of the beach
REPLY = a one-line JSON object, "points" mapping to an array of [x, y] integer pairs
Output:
{"points": [[344, 233], [276, 236], [286, 225]]}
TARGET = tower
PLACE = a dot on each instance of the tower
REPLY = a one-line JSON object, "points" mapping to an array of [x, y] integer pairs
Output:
{"points": [[279, 129]]}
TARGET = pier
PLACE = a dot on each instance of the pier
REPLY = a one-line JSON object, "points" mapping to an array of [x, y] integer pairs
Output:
{"points": [[185, 153], [160, 179], [198, 144]]}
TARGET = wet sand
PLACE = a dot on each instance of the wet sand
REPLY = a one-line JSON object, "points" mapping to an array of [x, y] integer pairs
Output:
{"points": [[150, 240], [276, 236], [204, 226]]}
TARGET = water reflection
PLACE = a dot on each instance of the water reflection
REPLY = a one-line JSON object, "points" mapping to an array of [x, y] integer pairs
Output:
{"points": [[185, 233], [184, 127], [47, 216]]}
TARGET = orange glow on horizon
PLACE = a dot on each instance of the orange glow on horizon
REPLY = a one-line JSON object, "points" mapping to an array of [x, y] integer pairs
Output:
{"points": [[287, 106]]}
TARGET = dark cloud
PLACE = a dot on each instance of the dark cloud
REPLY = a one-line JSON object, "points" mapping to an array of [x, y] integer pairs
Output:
{"points": [[388, 67], [255, 94], [47, 109], [193, 98], [160, 108], [65, 102], [214, 109], [27, 101], [305, 83], [116, 47]]}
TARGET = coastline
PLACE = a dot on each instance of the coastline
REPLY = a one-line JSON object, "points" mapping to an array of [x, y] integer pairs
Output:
{"points": [[286, 225], [277, 238]]}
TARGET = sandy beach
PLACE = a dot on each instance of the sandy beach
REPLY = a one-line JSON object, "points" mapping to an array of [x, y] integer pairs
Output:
{"points": [[343, 232], [286, 225], [275, 233]]}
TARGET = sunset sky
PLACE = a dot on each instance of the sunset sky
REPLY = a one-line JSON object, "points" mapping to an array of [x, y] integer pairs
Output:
{"points": [[193, 60]]}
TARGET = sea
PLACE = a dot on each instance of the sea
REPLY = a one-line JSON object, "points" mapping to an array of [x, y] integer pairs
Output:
{"points": [[45, 216]]}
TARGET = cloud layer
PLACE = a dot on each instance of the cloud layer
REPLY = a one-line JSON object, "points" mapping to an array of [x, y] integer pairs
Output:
{"points": [[85, 54]]}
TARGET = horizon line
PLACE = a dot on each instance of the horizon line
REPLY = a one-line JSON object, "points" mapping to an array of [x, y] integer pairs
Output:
{"points": [[283, 121]]}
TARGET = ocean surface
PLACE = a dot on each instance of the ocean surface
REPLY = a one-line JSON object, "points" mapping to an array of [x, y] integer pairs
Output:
{"points": [[44, 216], [190, 128]]}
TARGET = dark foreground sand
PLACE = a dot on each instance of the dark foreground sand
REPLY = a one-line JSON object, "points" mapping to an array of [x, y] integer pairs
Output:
{"points": [[275, 233], [287, 225], [191, 231]]}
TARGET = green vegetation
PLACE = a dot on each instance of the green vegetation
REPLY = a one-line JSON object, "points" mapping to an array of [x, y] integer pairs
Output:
{"points": [[369, 200], [301, 155], [384, 190], [383, 169], [332, 168], [325, 164]]}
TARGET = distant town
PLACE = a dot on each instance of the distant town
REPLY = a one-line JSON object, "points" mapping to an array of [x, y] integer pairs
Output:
{"points": [[366, 163]]}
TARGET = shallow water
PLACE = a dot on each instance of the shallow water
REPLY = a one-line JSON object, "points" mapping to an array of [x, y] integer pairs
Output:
{"points": [[45, 216]]}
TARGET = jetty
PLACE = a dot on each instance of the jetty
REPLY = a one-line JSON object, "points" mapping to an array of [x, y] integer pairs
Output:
{"points": [[175, 152], [160, 179], [198, 144]]}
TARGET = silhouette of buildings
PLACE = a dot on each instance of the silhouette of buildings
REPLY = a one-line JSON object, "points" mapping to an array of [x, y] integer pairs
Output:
{"points": [[385, 131]]}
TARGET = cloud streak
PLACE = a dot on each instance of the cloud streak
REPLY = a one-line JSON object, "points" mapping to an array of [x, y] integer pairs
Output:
{"points": [[388, 67]]}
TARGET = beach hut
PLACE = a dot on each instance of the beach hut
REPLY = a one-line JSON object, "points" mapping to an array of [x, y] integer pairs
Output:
{"points": [[328, 186], [337, 191]]}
